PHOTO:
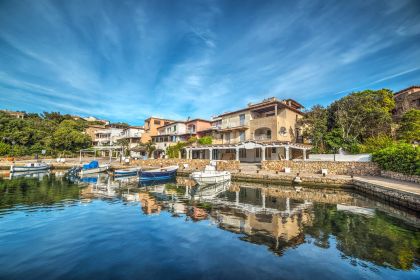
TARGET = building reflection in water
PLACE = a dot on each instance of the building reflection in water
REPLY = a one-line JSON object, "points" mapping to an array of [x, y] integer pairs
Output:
{"points": [[284, 217]]}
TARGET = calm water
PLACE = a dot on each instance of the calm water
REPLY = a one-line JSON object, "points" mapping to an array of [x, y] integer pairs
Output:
{"points": [[51, 228]]}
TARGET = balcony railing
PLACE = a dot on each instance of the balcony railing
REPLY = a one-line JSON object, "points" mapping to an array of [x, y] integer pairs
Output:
{"points": [[262, 137], [234, 124]]}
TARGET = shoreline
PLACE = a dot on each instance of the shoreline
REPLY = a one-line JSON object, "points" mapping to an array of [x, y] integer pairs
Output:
{"points": [[397, 192]]}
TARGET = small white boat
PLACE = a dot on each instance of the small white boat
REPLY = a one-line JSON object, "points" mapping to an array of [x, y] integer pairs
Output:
{"points": [[35, 166], [127, 172], [210, 176]]}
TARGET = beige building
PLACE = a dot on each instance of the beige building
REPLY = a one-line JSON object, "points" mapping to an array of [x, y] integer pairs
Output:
{"points": [[262, 131], [151, 126], [406, 100], [18, 115], [269, 120]]}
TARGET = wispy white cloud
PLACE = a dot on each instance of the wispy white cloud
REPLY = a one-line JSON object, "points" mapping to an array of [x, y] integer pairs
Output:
{"points": [[140, 58]]}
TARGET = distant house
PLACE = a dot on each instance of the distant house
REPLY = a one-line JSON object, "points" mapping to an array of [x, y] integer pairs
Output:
{"points": [[405, 100], [179, 131], [93, 119], [18, 115], [151, 126]]}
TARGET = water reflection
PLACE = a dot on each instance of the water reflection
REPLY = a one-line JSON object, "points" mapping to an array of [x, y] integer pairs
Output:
{"points": [[280, 218]]}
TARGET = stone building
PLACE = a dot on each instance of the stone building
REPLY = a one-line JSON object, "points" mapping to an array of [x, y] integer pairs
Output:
{"points": [[405, 100]]}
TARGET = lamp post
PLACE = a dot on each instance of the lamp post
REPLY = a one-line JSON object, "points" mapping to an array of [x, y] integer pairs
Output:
{"points": [[13, 150]]}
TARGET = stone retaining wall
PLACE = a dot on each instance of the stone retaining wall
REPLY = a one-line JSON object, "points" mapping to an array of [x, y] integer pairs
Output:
{"points": [[408, 200], [192, 163], [334, 167], [400, 176], [228, 165]]}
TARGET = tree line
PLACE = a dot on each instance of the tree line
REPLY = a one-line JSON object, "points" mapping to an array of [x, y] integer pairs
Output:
{"points": [[362, 122], [53, 132]]}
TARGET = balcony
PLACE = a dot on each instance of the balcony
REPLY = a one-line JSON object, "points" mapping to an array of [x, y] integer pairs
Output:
{"points": [[234, 124], [263, 122], [262, 137]]}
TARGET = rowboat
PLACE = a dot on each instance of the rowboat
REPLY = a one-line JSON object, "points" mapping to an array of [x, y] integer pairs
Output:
{"points": [[35, 166], [127, 172], [210, 176], [163, 173]]}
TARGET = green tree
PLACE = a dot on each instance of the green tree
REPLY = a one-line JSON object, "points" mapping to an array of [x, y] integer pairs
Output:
{"points": [[409, 129], [314, 126], [173, 151], [361, 115], [149, 147], [376, 143], [206, 140], [68, 137], [124, 143]]}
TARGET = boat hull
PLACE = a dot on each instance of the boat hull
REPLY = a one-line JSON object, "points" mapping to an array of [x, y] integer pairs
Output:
{"points": [[208, 179], [121, 173], [93, 170], [28, 168], [155, 175]]}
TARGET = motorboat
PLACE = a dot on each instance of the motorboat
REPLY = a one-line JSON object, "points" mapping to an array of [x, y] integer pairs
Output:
{"points": [[210, 176], [127, 172], [29, 174], [158, 174], [33, 166], [89, 168]]}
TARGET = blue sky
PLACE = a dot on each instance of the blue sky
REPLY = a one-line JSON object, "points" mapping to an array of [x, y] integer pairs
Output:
{"points": [[127, 60]]}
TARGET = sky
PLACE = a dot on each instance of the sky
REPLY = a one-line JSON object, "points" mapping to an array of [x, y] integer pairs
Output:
{"points": [[128, 60]]}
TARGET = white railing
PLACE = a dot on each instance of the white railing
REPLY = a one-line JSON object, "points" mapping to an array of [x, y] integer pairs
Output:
{"points": [[262, 137], [340, 157]]}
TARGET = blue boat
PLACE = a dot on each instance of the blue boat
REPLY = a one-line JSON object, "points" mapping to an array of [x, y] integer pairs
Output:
{"points": [[127, 172], [164, 173]]}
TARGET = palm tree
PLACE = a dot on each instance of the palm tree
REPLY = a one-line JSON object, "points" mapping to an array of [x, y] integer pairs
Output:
{"points": [[148, 147]]}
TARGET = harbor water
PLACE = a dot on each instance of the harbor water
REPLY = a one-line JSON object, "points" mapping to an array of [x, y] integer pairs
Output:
{"points": [[100, 228]]}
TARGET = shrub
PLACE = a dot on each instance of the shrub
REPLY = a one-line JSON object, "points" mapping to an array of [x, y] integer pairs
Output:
{"points": [[377, 143], [206, 140], [400, 157], [409, 129], [4, 149]]}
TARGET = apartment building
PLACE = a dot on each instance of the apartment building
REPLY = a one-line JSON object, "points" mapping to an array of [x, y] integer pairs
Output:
{"points": [[179, 131], [260, 131], [406, 100], [269, 120], [151, 126]]}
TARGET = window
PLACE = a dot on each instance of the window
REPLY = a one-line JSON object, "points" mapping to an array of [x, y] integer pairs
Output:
{"points": [[242, 153], [174, 127], [242, 136], [257, 153], [156, 122], [242, 119]]}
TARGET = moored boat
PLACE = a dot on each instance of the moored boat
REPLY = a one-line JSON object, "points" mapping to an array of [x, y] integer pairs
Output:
{"points": [[210, 176], [33, 166], [127, 172], [163, 173], [90, 168]]}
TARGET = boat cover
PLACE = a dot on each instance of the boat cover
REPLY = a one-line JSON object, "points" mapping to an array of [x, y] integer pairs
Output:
{"points": [[91, 165]]}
